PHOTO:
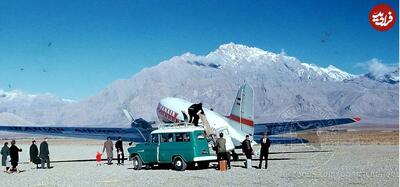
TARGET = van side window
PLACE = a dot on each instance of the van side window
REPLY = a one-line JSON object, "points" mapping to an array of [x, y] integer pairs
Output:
{"points": [[182, 137], [154, 138], [167, 137]]}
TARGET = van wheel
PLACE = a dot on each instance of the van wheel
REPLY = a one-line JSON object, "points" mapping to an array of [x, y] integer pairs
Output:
{"points": [[203, 165], [137, 163], [179, 164]]}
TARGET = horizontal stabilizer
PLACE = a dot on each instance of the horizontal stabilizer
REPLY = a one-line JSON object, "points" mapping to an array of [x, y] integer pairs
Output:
{"points": [[295, 126], [282, 140]]}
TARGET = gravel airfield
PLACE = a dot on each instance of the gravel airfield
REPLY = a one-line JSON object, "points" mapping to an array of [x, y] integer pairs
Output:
{"points": [[289, 165]]}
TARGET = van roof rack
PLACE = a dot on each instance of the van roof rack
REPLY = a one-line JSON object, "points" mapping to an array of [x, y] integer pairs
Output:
{"points": [[178, 125]]}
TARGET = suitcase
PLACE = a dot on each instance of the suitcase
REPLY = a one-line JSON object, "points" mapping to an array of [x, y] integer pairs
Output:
{"points": [[222, 165]]}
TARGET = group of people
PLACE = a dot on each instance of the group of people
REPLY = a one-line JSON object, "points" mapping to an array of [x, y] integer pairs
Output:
{"points": [[41, 157], [108, 147], [223, 154], [10, 155], [265, 143]]}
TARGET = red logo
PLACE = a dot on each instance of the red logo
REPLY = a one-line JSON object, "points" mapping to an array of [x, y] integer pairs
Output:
{"points": [[382, 17]]}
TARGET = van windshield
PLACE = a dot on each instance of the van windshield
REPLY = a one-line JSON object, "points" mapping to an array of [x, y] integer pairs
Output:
{"points": [[154, 138]]}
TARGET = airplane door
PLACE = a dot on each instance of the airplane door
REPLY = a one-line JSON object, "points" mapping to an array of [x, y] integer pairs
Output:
{"points": [[229, 144]]}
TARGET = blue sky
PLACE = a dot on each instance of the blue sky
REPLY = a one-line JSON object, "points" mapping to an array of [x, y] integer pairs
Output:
{"points": [[75, 48]]}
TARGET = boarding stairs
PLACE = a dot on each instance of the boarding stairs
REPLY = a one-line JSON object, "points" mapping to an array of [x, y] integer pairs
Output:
{"points": [[210, 132]]}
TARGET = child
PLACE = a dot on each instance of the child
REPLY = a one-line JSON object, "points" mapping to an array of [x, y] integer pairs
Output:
{"points": [[98, 158]]}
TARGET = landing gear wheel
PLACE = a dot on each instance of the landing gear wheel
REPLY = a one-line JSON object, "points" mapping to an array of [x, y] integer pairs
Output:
{"points": [[235, 156], [203, 165], [137, 163], [179, 164], [191, 165]]}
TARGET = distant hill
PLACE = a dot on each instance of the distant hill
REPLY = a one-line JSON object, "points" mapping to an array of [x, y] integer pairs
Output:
{"points": [[12, 119]]}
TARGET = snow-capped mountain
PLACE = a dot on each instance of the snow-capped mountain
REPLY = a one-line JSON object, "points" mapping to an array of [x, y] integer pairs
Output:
{"points": [[390, 77], [285, 88], [238, 55]]}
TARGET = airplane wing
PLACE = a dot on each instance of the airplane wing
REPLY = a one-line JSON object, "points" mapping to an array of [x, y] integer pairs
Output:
{"points": [[295, 126], [127, 134]]}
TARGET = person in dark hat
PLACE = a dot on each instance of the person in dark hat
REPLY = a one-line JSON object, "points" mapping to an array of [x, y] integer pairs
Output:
{"points": [[14, 155], [265, 143], [44, 153], [34, 154], [120, 151], [194, 111]]}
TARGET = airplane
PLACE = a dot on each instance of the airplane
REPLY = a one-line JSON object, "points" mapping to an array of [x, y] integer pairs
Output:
{"points": [[235, 126], [240, 122]]}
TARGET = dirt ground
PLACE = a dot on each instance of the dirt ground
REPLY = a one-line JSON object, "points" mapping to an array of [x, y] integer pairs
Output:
{"points": [[353, 137]]}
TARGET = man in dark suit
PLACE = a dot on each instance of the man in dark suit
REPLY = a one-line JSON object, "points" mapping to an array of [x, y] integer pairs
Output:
{"points": [[120, 150], [265, 143], [246, 147], [14, 151]]}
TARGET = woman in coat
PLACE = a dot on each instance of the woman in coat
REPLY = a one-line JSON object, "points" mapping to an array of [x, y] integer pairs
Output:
{"points": [[5, 152], [34, 152]]}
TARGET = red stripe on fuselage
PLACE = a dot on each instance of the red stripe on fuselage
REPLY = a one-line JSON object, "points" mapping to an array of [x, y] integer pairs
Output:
{"points": [[243, 120]]}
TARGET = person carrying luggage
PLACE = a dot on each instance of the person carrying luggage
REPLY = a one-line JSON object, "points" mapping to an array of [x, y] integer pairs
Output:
{"points": [[194, 111]]}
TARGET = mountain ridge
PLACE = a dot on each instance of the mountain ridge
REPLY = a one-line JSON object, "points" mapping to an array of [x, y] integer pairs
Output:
{"points": [[285, 89]]}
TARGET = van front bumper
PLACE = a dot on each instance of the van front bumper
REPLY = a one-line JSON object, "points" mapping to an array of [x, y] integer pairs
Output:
{"points": [[204, 158]]}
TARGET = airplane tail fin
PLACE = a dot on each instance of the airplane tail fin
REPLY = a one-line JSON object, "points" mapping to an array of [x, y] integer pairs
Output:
{"points": [[242, 113]]}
